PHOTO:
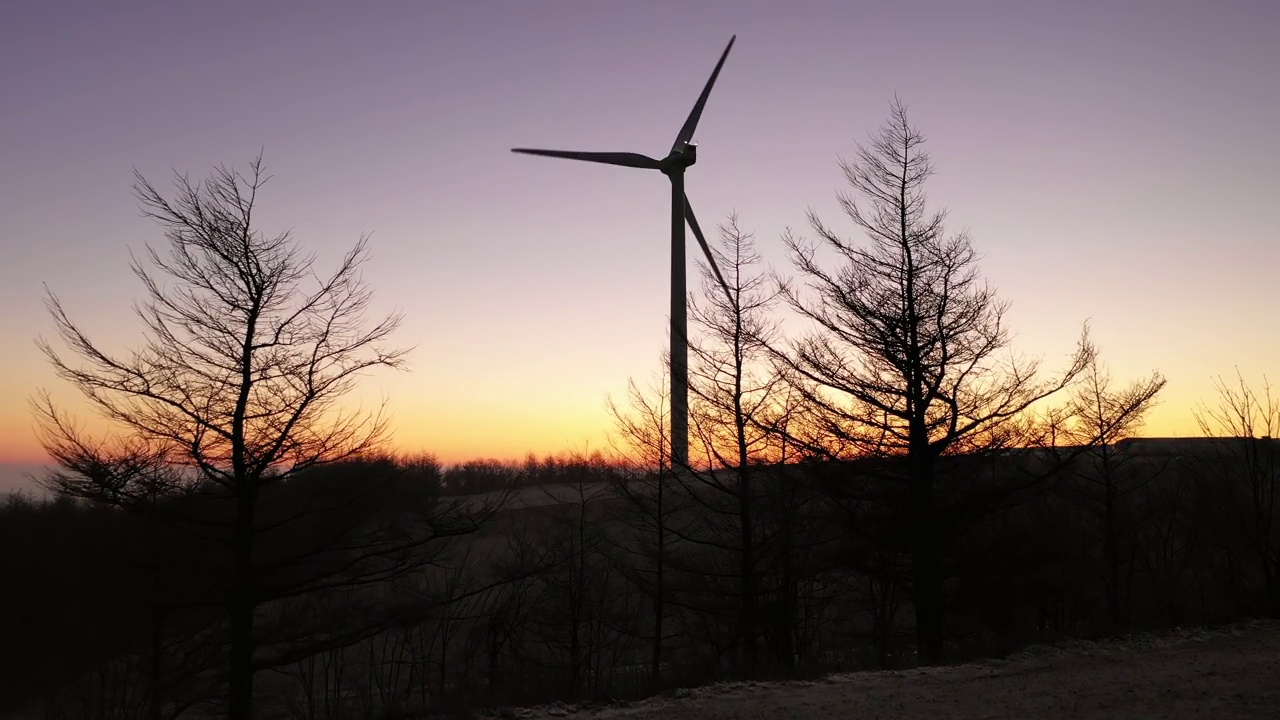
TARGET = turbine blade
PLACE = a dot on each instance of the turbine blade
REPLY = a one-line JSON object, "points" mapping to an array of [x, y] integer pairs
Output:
{"points": [[706, 249], [624, 159], [691, 124]]}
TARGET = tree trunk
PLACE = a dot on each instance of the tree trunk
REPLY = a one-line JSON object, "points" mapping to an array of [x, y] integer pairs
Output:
{"points": [[1115, 611], [156, 670], [1113, 560], [927, 585], [240, 607], [786, 619], [659, 594], [747, 616], [748, 613], [240, 705]]}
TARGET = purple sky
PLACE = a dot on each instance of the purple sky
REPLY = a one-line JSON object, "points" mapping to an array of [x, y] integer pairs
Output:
{"points": [[1112, 160]]}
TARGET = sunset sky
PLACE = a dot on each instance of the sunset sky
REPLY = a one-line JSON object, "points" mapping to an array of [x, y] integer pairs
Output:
{"points": [[1114, 162]]}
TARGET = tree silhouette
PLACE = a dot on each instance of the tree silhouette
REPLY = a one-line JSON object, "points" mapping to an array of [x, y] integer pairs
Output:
{"points": [[1246, 420], [646, 505], [236, 386], [735, 390], [1107, 477], [909, 356]]}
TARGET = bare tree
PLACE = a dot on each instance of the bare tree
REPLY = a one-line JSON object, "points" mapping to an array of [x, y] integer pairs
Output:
{"points": [[1102, 416], [576, 587], [645, 504], [735, 389], [1247, 421], [237, 384], [910, 356]]}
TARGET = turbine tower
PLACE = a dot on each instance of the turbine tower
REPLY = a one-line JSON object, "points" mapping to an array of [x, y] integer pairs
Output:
{"points": [[683, 154]]}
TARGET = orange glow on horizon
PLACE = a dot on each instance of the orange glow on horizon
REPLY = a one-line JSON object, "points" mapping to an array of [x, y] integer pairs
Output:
{"points": [[473, 436]]}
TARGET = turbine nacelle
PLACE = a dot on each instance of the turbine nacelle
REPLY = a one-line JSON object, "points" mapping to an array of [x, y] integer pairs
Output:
{"points": [[679, 159]]}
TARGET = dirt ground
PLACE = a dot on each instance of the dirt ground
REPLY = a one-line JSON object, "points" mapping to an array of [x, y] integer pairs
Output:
{"points": [[1223, 674]]}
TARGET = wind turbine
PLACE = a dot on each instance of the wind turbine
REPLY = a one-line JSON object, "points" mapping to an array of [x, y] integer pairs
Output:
{"points": [[683, 154]]}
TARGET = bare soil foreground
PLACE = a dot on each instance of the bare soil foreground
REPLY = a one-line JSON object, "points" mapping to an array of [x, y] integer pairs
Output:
{"points": [[1221, 673]]}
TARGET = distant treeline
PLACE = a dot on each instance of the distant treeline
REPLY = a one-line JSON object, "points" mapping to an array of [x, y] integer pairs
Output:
{"points": [[489, 475]]}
